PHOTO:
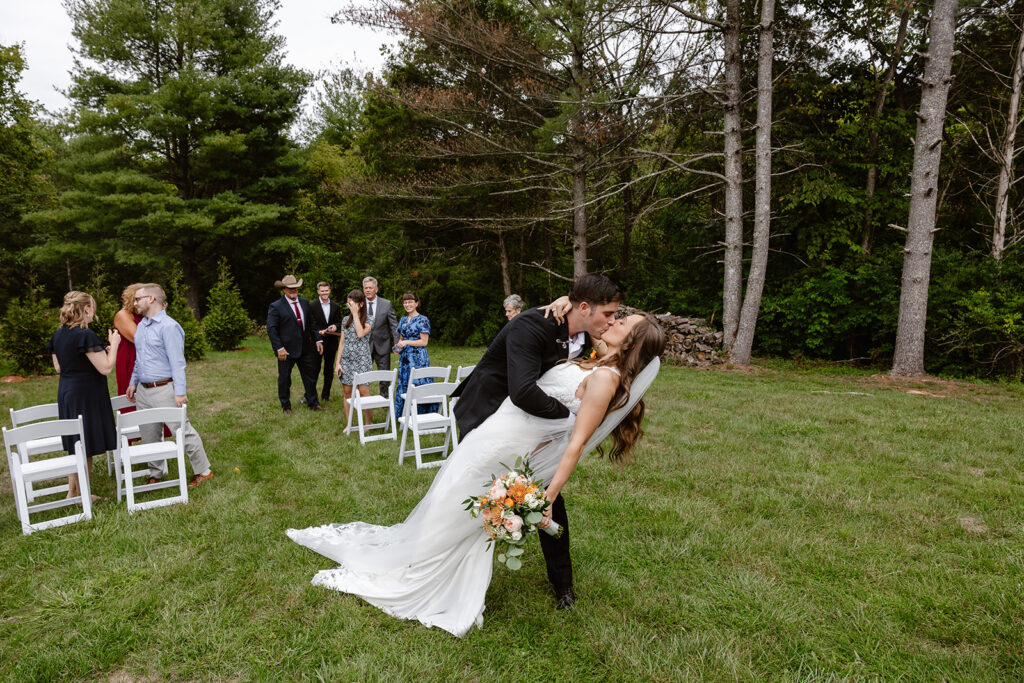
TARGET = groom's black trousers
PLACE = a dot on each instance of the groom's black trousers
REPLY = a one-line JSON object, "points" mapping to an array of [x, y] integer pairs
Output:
{"points": [[556, 550]]}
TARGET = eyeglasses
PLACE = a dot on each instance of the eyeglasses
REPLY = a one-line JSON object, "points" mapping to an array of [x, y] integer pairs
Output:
{"points": [[144, 296]]}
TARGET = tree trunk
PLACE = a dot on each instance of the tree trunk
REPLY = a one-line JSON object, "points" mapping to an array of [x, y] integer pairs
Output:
{"points": [[1007, 153], [628, 219], [506, 281], [732, 128], [740, 352], [190, 280], [67, 267], [908, 359], [577, 134], [867, 227]]}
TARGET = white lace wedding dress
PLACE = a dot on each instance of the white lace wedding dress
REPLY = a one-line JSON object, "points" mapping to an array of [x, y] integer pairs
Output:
{"points": [[436, 565]]}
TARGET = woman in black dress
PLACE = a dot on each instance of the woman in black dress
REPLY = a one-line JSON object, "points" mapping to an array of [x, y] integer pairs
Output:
{"points": [[83, 363]]}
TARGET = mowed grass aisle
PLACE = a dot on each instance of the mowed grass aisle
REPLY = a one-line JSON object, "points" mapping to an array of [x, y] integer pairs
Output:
{"points": [[775, 525]]}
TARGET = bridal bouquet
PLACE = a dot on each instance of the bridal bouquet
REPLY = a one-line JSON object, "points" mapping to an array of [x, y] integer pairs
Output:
{"points": [[512, 507]]}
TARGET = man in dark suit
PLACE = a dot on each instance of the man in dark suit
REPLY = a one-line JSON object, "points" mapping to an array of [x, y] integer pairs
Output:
{"points": [[528, 346], [296, 341], [327, 316], [384, 331]]}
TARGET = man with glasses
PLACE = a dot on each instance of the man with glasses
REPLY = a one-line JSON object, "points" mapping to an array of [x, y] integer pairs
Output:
{"points": [[158, 380]]}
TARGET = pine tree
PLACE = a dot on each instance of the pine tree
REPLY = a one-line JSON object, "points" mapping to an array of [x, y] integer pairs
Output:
{"points": [[226, 322], [179, 150]]}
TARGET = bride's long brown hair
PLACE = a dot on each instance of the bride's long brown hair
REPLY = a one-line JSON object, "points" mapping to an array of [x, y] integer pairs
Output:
{"points": [[644, 343]]}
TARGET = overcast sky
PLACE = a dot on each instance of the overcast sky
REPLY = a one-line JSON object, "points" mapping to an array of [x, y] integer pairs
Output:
{"points": [[312, 42]]}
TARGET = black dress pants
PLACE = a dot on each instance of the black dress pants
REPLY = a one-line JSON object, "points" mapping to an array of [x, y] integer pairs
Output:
{"points": [[556, 550], [330, 349], [308, 369], [383, 362]]}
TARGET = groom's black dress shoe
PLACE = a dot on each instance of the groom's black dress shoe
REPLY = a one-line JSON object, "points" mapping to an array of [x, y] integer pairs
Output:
{"points": [[565, 599]]}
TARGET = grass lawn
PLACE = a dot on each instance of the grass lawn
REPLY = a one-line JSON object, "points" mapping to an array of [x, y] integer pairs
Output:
{"points": [[775, 525]]}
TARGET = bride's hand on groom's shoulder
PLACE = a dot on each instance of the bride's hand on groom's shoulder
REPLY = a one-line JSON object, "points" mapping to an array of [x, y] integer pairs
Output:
{"points": [[559, 308]]}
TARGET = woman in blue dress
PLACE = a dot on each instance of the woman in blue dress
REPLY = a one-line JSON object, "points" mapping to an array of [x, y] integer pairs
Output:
{"points": [[413, 335]]}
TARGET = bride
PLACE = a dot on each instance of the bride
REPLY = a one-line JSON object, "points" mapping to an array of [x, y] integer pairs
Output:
{"points": [[436, 565]]}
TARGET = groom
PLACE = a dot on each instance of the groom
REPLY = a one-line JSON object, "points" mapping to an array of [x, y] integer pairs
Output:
{"points": [[527, 347]]}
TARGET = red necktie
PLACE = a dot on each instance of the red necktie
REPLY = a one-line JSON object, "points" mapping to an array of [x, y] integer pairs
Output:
{"points": [[298, 314]]}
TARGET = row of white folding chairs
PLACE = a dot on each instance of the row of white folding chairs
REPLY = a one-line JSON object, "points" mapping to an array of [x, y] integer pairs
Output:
{"points": [[436, 393], [53, 444], [42, 436]]}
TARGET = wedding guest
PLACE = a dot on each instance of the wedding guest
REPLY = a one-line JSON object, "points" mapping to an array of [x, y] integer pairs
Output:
{"points": [[83, 362], [296, 341], [513, 306], [353, 354], [126, 321], [413, 335], [327, 316], [158, 380], [383, 329]]}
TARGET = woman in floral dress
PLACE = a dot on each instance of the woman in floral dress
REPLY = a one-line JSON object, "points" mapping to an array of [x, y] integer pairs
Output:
{"points": [[413, 335], [353, 354]]}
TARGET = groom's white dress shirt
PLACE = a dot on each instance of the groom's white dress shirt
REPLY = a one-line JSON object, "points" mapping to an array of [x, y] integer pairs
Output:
{"points": [[576, 345]]}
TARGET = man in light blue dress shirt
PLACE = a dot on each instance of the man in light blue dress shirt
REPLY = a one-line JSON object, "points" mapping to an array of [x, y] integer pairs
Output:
{"points": [[158, 379]]}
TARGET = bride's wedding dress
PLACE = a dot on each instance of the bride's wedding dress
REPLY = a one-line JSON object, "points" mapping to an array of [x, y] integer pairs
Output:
{"points": [[436, 565]]}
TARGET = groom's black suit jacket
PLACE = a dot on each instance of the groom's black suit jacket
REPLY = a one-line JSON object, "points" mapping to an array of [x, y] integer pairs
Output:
{"points": [[527, 347]]}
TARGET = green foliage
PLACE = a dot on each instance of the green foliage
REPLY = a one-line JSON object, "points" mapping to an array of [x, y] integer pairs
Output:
{"points": [[25, 158], [226, 323], [26, 329], [989, 331], [178, 308], [976, 314], [833, 312]]}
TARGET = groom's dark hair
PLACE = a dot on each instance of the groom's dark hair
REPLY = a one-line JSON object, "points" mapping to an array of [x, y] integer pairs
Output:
{"points": [[596, 290]]}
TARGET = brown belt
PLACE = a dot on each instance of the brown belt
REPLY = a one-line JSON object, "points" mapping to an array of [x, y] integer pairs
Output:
{"points": [[158, 383]]}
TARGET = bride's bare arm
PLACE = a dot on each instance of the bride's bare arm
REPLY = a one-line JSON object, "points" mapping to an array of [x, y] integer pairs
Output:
{"points": [[598, 394]]}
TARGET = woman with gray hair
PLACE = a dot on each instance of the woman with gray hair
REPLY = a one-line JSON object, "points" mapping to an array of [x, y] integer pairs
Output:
{"points": [[513, 306]]}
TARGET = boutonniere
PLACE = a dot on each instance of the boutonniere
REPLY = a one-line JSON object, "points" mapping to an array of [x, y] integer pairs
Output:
{"points": [[589, 353]]}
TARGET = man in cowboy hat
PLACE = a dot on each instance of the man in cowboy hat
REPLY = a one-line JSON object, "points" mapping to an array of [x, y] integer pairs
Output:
{"points": [[295, 340]]}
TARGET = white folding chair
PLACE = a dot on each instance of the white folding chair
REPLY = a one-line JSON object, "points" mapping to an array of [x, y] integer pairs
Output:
{"points": [[25, 472], [463, 372], [436, 373], [49, 444], [360, 403], [440, 422], [128, 455], [119, 403]]}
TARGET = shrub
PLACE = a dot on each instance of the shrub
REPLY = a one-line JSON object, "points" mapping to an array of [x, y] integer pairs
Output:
{"points": [[989, 333], [177, 308], [106, 303], [27, 327], [226, 323]]}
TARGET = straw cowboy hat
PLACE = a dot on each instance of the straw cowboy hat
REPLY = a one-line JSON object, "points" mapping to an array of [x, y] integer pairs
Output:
{"points": [[288, 281]]}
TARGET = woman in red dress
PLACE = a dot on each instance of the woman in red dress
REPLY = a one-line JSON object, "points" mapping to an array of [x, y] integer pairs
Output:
{"points": [[126, 321]]}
